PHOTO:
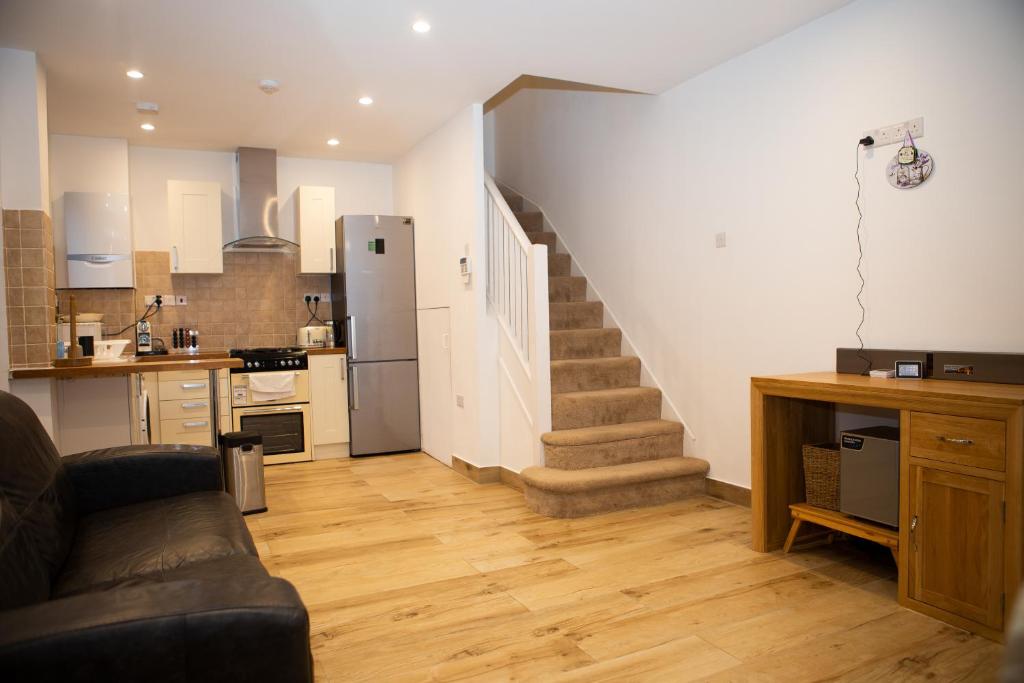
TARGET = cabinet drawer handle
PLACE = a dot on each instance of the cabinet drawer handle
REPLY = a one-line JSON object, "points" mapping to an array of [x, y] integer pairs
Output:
{"points": [[198, 423], [956, 442], [193, 385], [195, 404]]}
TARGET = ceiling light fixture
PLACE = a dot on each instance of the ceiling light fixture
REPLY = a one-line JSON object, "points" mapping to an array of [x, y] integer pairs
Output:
{"points": [[134, 73], [147, 127], [334, 142], [421, 26], [270, 86], [366, 100]]}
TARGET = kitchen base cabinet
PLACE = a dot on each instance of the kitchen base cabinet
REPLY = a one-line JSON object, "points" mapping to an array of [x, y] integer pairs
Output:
{"points": [[179, 407], [328, 397]]}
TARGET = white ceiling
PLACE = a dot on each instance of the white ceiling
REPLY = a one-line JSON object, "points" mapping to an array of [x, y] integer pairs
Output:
{"points": [[203, 59]]}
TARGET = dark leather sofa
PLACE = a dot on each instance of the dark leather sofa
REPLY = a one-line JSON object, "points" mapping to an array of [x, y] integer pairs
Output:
{"points": [[132, 564]]}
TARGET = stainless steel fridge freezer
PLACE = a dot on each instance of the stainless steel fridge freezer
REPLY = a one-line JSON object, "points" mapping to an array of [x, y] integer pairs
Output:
{"points": [[375, 288]]}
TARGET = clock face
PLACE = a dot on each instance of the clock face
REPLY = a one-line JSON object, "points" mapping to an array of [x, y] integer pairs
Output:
{"points": [[907, 155], [908, 370]]}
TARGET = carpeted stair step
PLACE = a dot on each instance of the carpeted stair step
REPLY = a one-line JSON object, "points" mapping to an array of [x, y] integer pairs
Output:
{"points": [[562, 288], [599, 343], [576, 409], [559, 264], [547, 238], [617, 444], [514, 201], [575, 493], [576, 315], [588, 374], [530, 221]]}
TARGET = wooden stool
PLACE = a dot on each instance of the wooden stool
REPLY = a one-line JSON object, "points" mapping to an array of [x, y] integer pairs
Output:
{"points": [[830, 519]]}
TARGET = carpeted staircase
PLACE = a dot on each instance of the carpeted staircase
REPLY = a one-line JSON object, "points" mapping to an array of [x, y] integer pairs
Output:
{"points": [[610, 449]]}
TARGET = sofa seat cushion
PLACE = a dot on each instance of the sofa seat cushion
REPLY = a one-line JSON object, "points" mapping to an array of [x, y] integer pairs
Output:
{"points": [[147, 540]]}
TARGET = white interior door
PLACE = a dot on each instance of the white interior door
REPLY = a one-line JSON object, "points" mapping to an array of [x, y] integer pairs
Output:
{"points": [[436, 398]]}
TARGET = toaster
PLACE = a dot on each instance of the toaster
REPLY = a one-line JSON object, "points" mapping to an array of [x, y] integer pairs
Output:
{"points": [[313, 336]]}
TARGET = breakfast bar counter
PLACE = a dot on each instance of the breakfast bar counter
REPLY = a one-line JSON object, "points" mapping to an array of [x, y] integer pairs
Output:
{"points": [[127, 366]]}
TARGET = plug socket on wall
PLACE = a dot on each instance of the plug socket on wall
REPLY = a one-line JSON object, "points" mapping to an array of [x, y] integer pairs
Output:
{"points": [[892, 134]]}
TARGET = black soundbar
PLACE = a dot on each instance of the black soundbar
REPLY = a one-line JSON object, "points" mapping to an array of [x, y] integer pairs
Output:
{"points": [[963, 366]]}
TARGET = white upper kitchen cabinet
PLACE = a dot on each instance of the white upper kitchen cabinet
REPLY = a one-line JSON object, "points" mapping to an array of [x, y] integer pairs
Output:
{"points": [[193, 210], [328, 398], [314, 225]]}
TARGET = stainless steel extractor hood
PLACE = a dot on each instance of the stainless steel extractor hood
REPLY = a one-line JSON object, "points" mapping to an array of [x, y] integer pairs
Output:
{"points": [[256, 227]]}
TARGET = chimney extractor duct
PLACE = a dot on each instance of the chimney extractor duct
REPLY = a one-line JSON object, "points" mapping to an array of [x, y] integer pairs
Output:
{"points": [[256, 228]]}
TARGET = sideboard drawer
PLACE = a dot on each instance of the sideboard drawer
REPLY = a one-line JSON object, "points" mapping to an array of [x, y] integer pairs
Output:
{"points": [[962, 440]]}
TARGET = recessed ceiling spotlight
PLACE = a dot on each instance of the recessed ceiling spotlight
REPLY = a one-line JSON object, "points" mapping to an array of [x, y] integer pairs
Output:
{"points": [[334, 142], [134, 73], [421, 26], [147, 127], [270, 86], [365, 99]]}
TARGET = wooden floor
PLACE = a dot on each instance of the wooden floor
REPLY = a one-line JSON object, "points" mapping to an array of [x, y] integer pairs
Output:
{"points": [[413, 573]]}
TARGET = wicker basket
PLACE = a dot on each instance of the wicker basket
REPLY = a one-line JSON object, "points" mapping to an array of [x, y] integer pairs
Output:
{"points": [[821, 475]]}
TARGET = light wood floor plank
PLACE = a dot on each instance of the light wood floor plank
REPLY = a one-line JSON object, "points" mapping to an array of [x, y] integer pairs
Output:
{"points": [[413, 573]]}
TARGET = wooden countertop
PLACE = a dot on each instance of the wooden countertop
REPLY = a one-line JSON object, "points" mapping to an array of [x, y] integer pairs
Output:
{"points": [[328, 351], [849, 386], [127, 367]]}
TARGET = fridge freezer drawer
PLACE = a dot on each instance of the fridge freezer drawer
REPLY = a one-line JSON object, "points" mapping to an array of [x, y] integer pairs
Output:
{"points": [[384, 407]]}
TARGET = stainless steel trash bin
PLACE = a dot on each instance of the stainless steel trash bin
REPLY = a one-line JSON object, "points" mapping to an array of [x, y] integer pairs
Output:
{"points": [[243, 469]]}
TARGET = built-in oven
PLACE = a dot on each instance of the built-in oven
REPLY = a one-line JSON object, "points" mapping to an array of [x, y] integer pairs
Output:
{"points": [[270, 396], [284, 428]]}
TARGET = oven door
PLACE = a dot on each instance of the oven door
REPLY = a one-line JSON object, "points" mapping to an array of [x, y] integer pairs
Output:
{"points": [[284, 428]]}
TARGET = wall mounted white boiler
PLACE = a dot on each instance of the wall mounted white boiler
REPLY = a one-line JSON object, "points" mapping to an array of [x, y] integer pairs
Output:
{"points": [[99, 240]]}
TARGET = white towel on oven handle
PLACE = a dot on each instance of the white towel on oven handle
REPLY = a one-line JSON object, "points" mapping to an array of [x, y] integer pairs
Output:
{"points": [[270, 386]]}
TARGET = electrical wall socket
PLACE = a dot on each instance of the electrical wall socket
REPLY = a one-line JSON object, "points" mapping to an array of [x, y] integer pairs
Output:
{"points": [[311, 295], [181, 300], [719, 240], [460, 400], [890, 135], [167, 299], [325, 297]]}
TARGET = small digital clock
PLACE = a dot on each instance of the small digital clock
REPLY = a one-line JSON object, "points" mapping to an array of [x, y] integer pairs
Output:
{"points": [[909, 369]]}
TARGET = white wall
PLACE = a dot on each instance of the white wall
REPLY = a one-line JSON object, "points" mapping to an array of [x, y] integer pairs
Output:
{"points": [[359, 188], [762, 148], [152, 167], [23, 155], [82, 164], [86, 164], [440, 182], [23, 172]]}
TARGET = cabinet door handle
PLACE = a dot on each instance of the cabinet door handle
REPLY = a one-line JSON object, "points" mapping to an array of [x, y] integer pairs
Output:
{"points": [[331, 268], [193, 385], [955, 441], [195, 404], [913, 525], [174, 253], [198, 423]]}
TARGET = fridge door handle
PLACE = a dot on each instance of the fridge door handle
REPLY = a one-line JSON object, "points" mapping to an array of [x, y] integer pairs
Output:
{"points": [[353, 389], [331, 268], [351, 321]]}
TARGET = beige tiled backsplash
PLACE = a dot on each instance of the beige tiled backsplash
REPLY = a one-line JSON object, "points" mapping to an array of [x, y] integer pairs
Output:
{"points": [[31, 298], [257, 301]]}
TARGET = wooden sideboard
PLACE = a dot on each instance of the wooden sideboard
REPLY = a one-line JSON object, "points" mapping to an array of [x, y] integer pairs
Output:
{"points": [[961, 443]]}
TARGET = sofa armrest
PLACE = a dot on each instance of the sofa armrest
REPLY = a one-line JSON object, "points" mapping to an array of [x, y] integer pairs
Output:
{"points": [[113, 477], [223, 630]]}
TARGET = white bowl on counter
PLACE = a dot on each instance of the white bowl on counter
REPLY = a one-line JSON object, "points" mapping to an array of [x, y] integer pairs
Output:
{"points": [[109, 350]]}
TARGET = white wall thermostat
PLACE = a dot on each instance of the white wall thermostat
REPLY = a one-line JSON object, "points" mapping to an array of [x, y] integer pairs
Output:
{"points": [[465, 268]]}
